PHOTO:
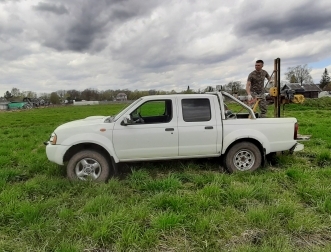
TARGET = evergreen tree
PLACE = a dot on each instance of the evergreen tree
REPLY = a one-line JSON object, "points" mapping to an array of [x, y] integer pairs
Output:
{"points": [[325, 79], [293, 79], [54, 98], [8, 95]]}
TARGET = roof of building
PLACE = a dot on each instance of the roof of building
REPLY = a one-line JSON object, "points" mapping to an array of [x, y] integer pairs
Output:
{"points": [[304, 87], [311, 87], [121, 94], [293, 86]]}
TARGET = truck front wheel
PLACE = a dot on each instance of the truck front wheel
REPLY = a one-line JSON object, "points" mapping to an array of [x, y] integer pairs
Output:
{"points": [[88, 165], [243, 156]]}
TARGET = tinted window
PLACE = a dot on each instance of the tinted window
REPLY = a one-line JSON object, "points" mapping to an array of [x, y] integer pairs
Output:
{"points": [[196, 110]]}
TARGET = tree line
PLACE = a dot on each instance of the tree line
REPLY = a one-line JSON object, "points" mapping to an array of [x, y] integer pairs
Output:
{"points": [[301, 74], [298, 74], [90, 94]]}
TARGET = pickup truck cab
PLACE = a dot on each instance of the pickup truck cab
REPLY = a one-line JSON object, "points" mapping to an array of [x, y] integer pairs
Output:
{"points": [[163, 127]]}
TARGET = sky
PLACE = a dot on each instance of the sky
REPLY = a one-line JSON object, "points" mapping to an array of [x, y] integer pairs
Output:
{"points": [[53, 45]]}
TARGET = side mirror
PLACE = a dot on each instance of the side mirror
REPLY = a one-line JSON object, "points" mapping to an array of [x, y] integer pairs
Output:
{"points": [[127, 120]]}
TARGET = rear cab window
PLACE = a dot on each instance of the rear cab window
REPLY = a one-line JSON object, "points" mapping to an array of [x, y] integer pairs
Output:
{"points": [[196, 110]]}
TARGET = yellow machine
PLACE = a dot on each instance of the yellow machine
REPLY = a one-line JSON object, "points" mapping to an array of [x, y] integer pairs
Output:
{"points": [[286, 96]]}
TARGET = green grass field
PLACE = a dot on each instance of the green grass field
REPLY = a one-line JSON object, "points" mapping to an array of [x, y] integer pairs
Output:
{"points": [[163, 206]]}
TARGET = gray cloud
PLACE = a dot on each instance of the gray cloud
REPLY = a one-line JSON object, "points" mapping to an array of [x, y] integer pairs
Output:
{"points": [[281, 23], [53, 8], [11, 27], [155, 44], [11, 38], [12, 53], [89, 22]]}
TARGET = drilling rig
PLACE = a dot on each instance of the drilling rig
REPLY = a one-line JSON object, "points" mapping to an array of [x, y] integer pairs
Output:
{"points": [[280, 97], [285, 96]]}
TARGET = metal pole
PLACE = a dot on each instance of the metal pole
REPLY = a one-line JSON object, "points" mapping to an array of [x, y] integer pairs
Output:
{"points": [[275, 85], [278, 87]]}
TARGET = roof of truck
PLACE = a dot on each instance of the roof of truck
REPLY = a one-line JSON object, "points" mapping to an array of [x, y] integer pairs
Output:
{"points": [[178, 95]]}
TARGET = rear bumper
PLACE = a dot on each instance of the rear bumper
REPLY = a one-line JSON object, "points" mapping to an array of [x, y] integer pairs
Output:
{"points": [[297, 147], [303, 137]]}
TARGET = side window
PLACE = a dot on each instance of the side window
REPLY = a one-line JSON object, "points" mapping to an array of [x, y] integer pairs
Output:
{"points": [[153, 112], [152, 108], [196, 110]]}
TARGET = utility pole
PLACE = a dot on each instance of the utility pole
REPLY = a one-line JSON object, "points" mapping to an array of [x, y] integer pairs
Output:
{"points": [[277, 85]]}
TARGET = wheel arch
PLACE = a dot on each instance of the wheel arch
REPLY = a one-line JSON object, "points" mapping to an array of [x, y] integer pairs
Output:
{"points": [[250, 140], [83, 141], [249, 135], [85, 146]]}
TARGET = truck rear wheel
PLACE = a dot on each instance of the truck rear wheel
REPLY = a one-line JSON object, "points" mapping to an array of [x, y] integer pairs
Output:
{"points": [[88, 165], [243, 156]]}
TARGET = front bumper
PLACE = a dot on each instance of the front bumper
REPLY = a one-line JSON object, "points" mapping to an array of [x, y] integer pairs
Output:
{"points": [[55, 153]]}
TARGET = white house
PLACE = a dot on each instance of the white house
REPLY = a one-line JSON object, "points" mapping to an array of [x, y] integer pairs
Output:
{"points": [[121, 97]]}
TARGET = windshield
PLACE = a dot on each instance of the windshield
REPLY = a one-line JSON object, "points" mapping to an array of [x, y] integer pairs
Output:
{"points": [[126, 109]]}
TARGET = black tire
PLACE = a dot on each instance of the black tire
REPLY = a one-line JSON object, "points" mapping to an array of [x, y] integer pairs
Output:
{"points": [[243, 156], [88, 165]]}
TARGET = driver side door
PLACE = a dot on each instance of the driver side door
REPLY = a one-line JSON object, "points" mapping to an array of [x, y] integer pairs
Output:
{"points": [[152, 135]]}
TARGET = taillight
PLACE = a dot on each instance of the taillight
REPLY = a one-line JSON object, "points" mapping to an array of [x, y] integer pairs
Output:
{"points": [[296, 128]]}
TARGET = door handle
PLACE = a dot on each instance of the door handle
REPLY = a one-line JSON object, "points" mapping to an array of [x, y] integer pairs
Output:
{"points": [[169, 129], [209, 127]]}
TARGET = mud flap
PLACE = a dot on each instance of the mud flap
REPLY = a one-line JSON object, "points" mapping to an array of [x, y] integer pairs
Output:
{"points": [[114, 165], [264, 159]]}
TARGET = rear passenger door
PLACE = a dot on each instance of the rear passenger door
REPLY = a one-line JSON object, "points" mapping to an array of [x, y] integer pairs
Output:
{"points": [[197, 128]]}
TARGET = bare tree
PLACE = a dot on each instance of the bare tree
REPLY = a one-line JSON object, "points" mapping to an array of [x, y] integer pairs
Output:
{"points": [[90, 94], [233, 87], [16, 92], [107, 95], [61, 93], [29, 94], [44, 96], [152, 92], [299, 74], [73, 94]]}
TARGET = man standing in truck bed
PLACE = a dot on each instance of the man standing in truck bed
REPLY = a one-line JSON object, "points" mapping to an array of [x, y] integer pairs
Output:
{"points": [[255, 86]]}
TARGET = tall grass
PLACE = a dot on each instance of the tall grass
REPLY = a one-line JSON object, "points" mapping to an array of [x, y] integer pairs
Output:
{"points": [[189, 205]]}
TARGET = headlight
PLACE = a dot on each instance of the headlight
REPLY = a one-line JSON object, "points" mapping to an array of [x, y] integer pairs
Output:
{"points": [[53, 138]]}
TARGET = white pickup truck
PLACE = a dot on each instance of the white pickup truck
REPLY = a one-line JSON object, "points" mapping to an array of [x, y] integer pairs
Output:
{"points": [[162, 127]]}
